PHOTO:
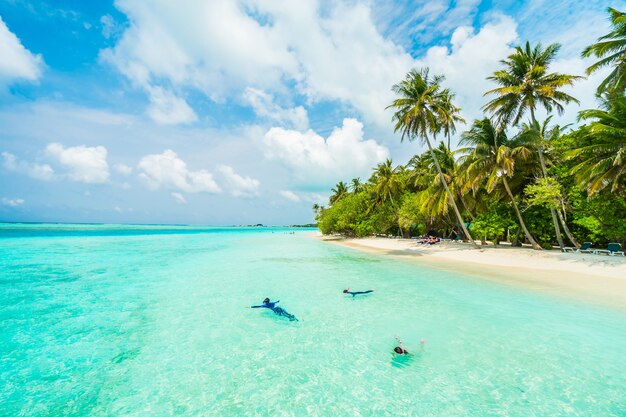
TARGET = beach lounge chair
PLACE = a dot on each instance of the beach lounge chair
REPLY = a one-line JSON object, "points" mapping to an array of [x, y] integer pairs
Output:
{"points": [[584, 248], [612, 249]]}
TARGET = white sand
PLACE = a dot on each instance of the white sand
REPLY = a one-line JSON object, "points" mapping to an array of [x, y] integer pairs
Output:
{"points": [[600, 279]]}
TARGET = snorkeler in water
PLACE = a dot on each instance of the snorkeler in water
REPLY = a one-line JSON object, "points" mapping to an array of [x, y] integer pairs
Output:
{"points": [[277, 310], [400, 350], [354, 293]]}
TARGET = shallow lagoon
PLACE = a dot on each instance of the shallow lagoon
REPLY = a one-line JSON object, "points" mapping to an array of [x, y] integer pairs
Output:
{"points": [[137, 320]]}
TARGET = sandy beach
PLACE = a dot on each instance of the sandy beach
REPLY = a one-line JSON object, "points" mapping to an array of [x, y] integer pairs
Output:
{"points": [[599, 279]]}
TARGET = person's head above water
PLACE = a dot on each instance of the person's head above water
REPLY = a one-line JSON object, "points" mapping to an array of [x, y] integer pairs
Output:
{"points": [[345, 291], [400, 351], [266, 301]]}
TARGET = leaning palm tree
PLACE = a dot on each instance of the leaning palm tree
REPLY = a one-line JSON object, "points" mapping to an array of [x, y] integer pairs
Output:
{"points": [[491, 158], [539, 135], [417, 115], [526, 83], [603, 161], [611, 50], [339, 192]]}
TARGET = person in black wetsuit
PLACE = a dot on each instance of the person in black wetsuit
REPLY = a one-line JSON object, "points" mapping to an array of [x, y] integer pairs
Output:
{"points": [[277, 310], [353, 293]]}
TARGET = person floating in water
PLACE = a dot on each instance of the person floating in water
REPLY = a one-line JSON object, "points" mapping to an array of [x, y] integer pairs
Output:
{"points": [[354, 293], [400, 350], [277, 310]]}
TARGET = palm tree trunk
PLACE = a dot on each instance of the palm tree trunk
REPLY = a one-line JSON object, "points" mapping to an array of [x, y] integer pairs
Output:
{"points": [[519, 215], [566, 229], [450, 197], [544, 171], [555, 222], [466, 207]]}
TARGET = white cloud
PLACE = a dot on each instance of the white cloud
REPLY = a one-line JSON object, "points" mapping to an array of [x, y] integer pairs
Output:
{"points": [[123, 169], [34, 170], [167, 108], [331, 54], [167, 170], [12, 202], [470, 59], [85, 164], [317, 162], [17, 62], [237, 185], [180, 199], [290, 195], [263, 105]]}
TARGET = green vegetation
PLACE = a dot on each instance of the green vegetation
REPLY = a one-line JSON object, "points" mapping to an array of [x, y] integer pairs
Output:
{"points": [[515, 177]]}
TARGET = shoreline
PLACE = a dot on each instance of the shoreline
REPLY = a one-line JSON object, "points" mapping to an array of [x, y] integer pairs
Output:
{"points": [[596, 279]]}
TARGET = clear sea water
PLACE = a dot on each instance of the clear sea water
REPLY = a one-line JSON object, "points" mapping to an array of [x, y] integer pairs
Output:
{"points": [[151, 321]]}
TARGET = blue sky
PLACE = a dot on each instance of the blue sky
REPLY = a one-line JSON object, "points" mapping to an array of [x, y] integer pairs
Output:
{"points": [[237, 112]]}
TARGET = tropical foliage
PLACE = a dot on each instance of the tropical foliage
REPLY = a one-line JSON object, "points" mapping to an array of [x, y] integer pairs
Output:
{"points": [[515, 176]]}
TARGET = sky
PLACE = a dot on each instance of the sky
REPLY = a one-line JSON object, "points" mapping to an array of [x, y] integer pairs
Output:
{"points": [[244, 111]]}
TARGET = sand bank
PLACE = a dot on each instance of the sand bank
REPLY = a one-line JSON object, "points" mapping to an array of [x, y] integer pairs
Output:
{"points": [[599, 279]]}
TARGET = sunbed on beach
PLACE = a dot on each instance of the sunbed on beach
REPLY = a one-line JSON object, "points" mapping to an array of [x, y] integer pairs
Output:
{"points": [[584, 248], [611, 249]]}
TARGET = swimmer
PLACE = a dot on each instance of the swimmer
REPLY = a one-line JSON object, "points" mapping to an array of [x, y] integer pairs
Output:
{"points": [[353, 293], [277, 310], [400, 350]]}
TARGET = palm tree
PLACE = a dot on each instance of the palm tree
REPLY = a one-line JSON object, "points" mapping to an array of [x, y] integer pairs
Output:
{"points": [[449, 116], [418, 110], [538, 135], [491, 158], [387, 182], [611, 49], [438, 198], [526, 83], [356, 185], [339, 192], [603, 161]]}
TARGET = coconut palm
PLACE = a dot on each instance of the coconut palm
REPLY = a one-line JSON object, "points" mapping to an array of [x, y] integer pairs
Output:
{"points": [[356, 185], [339, 192], [437, 198], [603, 160], [387, 182], [526, 83], [449, 116], [491, 158], [539, 135], [417, 114], [611, 49]]}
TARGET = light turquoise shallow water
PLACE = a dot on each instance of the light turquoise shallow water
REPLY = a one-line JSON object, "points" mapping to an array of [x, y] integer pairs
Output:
{"points": [[150, 321]]}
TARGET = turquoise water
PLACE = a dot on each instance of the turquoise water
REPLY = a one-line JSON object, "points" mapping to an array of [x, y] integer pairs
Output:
{"points": [[150, 321]]}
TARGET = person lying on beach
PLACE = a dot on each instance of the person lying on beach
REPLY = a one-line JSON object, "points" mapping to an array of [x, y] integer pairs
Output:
{"points": [[277, 310], [353, 293]]}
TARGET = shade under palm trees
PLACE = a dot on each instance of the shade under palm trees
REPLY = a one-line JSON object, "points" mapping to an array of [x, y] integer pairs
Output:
{"points": [[491, 158], [611, 50], [418, 113]]}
